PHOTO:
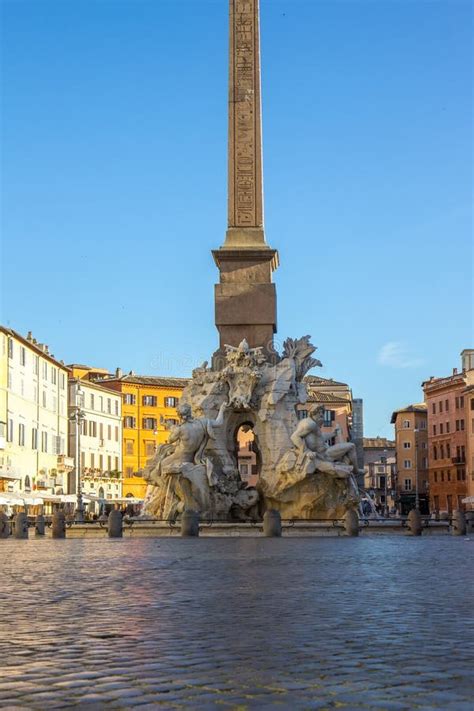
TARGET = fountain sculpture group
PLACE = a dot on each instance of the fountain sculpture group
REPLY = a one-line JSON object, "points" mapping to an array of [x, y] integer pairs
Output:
{"points": [[300, 475]]}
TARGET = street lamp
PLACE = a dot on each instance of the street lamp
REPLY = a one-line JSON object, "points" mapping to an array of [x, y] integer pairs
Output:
{"points": [[385, 507], [77, 416], [417, 492]]}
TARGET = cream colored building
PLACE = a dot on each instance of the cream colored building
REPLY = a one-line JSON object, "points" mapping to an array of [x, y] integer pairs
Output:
{"points": [[100, 438], [34, 417]]}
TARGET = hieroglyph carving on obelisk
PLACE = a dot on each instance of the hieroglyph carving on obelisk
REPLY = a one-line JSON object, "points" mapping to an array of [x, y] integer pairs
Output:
{"points": [[245, 132]]}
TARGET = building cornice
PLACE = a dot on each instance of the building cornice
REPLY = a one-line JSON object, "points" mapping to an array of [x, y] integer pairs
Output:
{"points": [[34, 347]]}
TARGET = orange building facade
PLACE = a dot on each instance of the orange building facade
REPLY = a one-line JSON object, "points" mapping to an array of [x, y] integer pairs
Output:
{"points": [[337, 400], [148, 410], [411, 445], [450, 404]]}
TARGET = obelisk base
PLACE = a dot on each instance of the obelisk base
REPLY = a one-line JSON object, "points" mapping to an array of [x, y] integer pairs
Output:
{"points": [[245, 298]]}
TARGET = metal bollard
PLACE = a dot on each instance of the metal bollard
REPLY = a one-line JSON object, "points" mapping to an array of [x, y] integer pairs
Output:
{"points": [[4, 525], [40, 525], [21, 526], [469, 521], [190, 524], [272, 524], [414, 523], [458, 524], [114, 529], [59, 525], [351, 523]]}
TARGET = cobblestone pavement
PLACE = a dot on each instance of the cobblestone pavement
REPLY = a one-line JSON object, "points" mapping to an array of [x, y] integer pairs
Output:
{"points": [[314, 623]]}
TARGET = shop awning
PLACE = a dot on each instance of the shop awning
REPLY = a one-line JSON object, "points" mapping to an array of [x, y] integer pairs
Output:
{"points": [[20, 500]]}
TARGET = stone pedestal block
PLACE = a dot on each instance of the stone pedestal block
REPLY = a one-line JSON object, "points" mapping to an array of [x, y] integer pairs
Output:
{"points": [[115, 525], [470, 522], [272, 524], [59, 525], [190, 524], [21, 526], [458, 524], [414, 523], [4, 525], [40, 525], [351, 523]]}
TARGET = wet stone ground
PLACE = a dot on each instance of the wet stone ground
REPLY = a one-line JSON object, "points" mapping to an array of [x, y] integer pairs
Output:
{"points": [[314, 623]]}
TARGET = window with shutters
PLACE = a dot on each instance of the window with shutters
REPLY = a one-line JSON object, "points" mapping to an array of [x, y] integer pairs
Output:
{"points": [[149, 448], [329, 417]]}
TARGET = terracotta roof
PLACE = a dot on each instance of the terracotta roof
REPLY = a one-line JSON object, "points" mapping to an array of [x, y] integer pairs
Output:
{"points": [[420, 407], [99, 384], [378, 443], [157, 380], [317, 380], [88, 367], [327, 397], [434, 384]]}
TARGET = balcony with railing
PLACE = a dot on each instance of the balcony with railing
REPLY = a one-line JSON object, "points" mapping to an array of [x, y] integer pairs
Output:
{"points": [[65, 463]]}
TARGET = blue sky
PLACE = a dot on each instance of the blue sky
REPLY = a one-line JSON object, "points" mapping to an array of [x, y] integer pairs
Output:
{"points": [[114, 182]]}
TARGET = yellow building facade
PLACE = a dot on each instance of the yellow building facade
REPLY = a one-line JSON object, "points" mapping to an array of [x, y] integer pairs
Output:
{"points": [[148, 408]]}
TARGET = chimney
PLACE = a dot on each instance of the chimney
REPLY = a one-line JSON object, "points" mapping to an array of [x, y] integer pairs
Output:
{"points": [[455, 371], [467, 358], [29, 336], [118, 373]]}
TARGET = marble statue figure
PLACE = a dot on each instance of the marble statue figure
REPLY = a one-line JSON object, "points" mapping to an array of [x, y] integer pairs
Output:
{"points": [[338, 459]]}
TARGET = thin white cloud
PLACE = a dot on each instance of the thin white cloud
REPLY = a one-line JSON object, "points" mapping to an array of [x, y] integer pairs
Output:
{"points": [[396, 354]]}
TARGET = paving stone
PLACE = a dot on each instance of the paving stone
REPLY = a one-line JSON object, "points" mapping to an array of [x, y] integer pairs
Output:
{"points": [[240, 623]]}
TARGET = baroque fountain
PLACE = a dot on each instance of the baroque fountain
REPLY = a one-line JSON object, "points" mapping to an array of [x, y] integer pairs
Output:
{"points": [[248, 383]]}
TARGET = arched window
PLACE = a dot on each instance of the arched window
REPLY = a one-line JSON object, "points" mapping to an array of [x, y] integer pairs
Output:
{"points": [[101, 493], [27, 483], [247, 459]]}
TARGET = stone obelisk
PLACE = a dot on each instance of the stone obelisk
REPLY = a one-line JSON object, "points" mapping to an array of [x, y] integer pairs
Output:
{"points": [[245, 298]]}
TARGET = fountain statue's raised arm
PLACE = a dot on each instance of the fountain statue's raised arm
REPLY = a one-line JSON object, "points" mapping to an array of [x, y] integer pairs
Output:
{"points": [[191, 436], [181, 462]]}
